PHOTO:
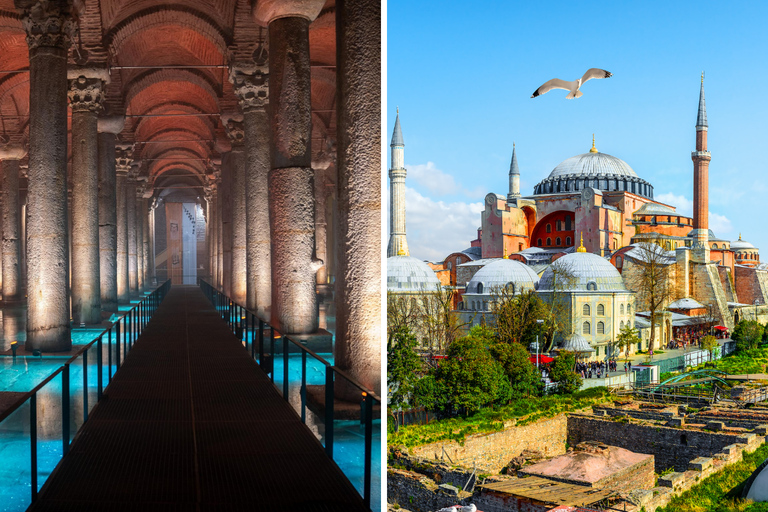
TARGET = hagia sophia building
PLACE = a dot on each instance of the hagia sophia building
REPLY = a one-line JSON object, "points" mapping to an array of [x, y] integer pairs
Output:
{"points": [[597, 203]]}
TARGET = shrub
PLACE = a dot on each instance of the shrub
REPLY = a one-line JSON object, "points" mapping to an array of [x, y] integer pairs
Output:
{"points": [[562, 372]]}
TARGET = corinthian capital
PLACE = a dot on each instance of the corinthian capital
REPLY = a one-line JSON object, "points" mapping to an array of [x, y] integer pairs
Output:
{"points": [[250, 82], [47, 22], [123, 158], [233, 125]]}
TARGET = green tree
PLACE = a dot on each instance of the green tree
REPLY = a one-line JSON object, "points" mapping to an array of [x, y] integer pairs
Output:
{"points": [[563, 373], [403, 367], [627, 338], [517, 315], [709, 343], [468, 379], [523, 376], [747, 334]]}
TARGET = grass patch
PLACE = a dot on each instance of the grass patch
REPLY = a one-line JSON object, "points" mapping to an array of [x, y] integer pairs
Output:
{"points": [[720, 492], [523, 411], [743, 361]]}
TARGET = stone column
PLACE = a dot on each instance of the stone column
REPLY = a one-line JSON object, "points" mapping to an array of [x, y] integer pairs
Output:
{"points": [[358, 281], [291, 187], [85, 96], [130, 230], [108, 127], [320, 166], [10, 156], [238, 279], [124, 158], [251, 85], [152, 266], [140, 208], [225, 198], [145, 244], [48, 25]]}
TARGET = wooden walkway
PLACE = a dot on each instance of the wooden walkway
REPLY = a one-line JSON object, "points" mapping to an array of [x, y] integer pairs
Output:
{"points": [[190, 423]]}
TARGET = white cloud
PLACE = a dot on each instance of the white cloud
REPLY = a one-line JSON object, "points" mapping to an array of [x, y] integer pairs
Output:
{"points": [[436, 228], [719, 224], [683, 205], [437, 182]]}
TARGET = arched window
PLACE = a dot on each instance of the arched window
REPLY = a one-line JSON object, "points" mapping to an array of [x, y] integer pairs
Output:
{"points": [[458, 261], [615, 244], [511, 288], [629, 309], [621, 309], [538, 242], [549, 228], [621, 324], [461, 306], [585, 329], [479, 287], [558, 226], [600, 328], [557, 241], [568, 241], [600, 310], [519, 247], [450, 266], [549, 241], [591, 286], [485, 305], [714, 246], [619, 261], [585, 310], [567, 222]]}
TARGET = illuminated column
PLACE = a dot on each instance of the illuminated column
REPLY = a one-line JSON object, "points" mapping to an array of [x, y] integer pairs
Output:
{"points": [[251, 85], [10, 156], [85, 97], [48, 25], [130, 230], [140, 209], [236, 159], [358, 281], [123, 160], [108, 127], [225, 200], [291, 189], [146, 239]]}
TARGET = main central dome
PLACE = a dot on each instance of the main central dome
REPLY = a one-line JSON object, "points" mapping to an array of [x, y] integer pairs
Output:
{"points": [[593, 164], [596, 170]]}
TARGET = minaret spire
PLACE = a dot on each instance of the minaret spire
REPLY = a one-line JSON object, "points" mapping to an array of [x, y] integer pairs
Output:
{"points": [[398, 246], [514, 177], [701, 158]]}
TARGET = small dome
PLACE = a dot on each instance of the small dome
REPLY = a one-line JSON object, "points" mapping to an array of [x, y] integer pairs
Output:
{"points": [[593, 164], [589, 272], [741, 245], [655, 209], [407, 274], [710, 234], [576, 343], [499, 273]]}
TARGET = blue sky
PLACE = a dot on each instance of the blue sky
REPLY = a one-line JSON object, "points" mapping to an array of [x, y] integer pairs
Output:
{"points": [[463, 73]]}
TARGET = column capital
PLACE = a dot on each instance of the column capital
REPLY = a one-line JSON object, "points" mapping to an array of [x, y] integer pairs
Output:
{"points": [[123, 158], [85, 93], [250, 81], [267, 11], [47, 22], [233, 125], [12, 152], [111, 124], [326, 157]]}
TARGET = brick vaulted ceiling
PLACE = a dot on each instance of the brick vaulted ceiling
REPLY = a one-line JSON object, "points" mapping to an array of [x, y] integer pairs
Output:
{"points": [[145, 43]]}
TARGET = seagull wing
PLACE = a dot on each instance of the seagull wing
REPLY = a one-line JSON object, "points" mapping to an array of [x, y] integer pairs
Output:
{"points": [[555, 83], [595, 73]]}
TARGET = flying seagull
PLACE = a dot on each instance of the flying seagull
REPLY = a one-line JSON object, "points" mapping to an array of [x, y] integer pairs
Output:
{"points": [[574, 86]]}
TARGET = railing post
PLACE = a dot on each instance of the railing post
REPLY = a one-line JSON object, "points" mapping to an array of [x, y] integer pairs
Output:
{"points": [[304, 386], [329, 410], [272, 352], [85, 386], [100, 377], [33, 443], [285, 367], [65, 409], [109, 355], [368, 450], [117, 344], [261, 342]]}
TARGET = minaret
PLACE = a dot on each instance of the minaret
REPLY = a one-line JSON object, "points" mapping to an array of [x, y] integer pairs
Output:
{"points": [[701, 158], [514, 177], [397, 246]]}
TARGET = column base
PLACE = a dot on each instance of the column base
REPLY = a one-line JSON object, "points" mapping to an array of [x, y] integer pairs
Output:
{"points": [[56, 339], [342, 409]]}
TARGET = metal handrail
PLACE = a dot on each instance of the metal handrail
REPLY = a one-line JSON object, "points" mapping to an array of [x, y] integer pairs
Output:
{"points": [[236, 315]]}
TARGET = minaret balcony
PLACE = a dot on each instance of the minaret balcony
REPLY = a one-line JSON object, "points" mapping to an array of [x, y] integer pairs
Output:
{"points": [[702, 155]]}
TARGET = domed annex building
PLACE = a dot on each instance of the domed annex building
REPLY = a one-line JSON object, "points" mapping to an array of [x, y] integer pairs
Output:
{"points": [[594, 294]]}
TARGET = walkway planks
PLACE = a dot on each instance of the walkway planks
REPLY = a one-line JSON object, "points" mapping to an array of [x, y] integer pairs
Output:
{"points": [[190, 423]]}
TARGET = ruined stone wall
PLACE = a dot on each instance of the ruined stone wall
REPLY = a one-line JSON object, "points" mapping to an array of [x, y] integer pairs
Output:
{"points": [[492, 452], [489, 501], [725, 280], [639, 476], [671, 448], [708, 290], [751, 285]]}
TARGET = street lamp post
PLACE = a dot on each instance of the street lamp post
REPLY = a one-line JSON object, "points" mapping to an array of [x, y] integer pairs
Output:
{"points": [[535, 346]]}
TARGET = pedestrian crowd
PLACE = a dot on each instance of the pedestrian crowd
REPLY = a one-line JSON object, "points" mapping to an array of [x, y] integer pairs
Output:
{"points": [[598, 369]]}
